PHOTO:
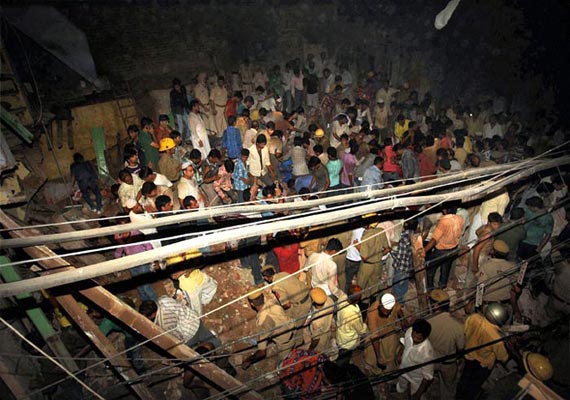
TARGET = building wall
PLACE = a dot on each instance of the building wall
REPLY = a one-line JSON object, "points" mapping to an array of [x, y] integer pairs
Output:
{"points": [[105, 115], [150, 42]]}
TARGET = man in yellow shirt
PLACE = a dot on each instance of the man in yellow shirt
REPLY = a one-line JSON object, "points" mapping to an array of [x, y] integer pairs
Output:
{"points": [[400, 127], [480, 330], [349, 324]]}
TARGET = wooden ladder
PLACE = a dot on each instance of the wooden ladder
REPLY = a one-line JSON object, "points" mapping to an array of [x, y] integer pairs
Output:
{"points": [[126, 104]]}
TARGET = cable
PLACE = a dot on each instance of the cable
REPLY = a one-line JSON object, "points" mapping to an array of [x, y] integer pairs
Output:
{"points": [[228, 303], [458, 305], [143, 262], [203, 315], [71, 375], [420, 312]]}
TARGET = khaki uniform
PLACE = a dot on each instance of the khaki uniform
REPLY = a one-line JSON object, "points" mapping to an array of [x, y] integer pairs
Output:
{"points": [[479, 331], [446, 337], [169, 167], [294, 291], [320, 325], [219, 96], [370, 270], [270, 317], [386, 331], [490, 269]]}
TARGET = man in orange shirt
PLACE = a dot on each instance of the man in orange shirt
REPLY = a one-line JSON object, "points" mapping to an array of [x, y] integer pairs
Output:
{"points": [[445, 239]]}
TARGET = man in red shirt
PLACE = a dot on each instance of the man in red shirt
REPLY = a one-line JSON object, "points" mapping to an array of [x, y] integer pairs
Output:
{"points": [[391, 166]]}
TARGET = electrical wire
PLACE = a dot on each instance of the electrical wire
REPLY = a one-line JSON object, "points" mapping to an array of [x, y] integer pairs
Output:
{"points": [[209, 312], [151, 339], [50, 358], [212, 311], [185, 235], [420, 313]]}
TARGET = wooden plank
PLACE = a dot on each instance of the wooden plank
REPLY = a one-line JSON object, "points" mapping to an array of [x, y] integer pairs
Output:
{"points": [[39, 319], [11, 380], [140, 324], [92, 331]]}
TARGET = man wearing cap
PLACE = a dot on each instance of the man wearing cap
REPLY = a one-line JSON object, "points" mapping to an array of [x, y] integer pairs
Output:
{"points": [[167, 165], [480, 330], [373, 245], [493, 269], [318, 331], [384, 319], [187, 185], [447, 338], [274, 326], [292, 294]]}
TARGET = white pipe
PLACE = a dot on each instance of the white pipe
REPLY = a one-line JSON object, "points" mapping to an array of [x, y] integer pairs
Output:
{"points": [[257, 208], [124, 263]]}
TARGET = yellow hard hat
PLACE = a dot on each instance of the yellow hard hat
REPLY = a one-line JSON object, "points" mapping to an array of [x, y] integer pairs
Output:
{"points": [[538, 366], [166, 144], [319, 133]]}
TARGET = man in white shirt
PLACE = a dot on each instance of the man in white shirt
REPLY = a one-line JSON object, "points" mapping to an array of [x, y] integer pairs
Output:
{"points": [[323, 269], [492, 128], [386, 93], [346, 80], [199, 134], [353, 258], [138, 214], [417, 350], [340, 126], [187, 186], [130, 186], [260, 162]]}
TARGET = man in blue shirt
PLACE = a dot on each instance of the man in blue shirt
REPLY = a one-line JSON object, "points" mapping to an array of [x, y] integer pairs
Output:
{"points": [[241, 177], [373, 175], [231, 139]]}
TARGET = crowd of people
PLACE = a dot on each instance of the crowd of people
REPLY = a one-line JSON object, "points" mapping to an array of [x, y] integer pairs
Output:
{"points": [[311, 130]]}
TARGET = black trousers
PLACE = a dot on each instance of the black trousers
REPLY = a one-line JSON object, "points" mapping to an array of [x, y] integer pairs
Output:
{"points": [[472, 378]]}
